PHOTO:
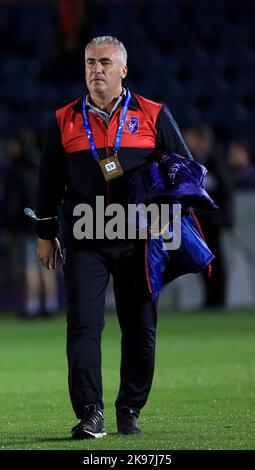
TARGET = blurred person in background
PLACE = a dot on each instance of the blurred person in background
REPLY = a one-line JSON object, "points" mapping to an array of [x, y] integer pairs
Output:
{"points": [[201, 142], [242, 170], [39, 284]]}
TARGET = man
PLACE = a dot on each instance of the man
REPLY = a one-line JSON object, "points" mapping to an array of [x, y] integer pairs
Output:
{"points": [[109, 126]]}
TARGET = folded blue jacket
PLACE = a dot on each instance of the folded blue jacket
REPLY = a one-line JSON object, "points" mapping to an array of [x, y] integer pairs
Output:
{"points": [[163, 266], [171, 178]]}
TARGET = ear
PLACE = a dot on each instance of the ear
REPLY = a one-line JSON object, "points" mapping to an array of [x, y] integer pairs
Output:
{"points": [[124, 71]]}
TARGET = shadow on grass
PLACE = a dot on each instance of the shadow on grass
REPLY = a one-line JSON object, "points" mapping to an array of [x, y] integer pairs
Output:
{"points": [[60, 439]]}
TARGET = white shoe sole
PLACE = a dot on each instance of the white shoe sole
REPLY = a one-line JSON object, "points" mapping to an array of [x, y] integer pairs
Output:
{"points": [[84, 434]]}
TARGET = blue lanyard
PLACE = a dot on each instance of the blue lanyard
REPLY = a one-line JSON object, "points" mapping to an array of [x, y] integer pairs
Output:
{"points": [[87, 126]]}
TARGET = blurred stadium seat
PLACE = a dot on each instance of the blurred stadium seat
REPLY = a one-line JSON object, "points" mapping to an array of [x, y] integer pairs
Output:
{"points": [[198, 56]]}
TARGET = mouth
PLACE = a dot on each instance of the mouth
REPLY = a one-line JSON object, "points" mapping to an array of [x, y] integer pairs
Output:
{"points": [[97, 80]]}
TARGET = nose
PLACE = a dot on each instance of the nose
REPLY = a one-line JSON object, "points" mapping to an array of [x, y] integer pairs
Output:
{"points": [[97, 67]]}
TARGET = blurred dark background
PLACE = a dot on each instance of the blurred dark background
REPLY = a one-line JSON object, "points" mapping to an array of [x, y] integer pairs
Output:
{"points": [[197, 56]]}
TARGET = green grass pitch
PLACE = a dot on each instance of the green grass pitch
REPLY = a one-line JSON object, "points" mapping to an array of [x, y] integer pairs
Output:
{"points": [[202, 395]]}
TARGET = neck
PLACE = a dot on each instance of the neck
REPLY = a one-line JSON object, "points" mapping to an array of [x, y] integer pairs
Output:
{"points": [[105, 102]]}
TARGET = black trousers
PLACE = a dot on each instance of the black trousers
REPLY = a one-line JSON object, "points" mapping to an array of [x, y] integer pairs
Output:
{"points": [[87, 272]]}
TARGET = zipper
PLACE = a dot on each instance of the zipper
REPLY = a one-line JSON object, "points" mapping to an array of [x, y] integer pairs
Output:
{"points": [[114, 117], [107, 185], [147, 267]]}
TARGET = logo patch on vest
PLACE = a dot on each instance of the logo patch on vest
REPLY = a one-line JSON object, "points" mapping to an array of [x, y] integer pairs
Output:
{"points": [[132, 124]]}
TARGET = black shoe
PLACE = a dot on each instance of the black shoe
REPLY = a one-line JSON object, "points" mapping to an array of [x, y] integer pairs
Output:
{"points": [[91, 425], [25, 315], [49, 313], [127, 421]]}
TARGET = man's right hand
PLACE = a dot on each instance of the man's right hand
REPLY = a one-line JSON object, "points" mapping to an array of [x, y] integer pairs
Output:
{"points": [[48, 252]]}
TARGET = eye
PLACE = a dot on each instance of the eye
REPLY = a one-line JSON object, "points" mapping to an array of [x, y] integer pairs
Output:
{"points": [[91, 61], [105, 61]]}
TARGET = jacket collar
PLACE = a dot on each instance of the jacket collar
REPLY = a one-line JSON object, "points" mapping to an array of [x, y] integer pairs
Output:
{"points": [[134, 105]]}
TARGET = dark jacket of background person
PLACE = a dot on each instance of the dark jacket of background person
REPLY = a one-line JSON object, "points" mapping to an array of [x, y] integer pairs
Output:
{"points": [[218, 184]]}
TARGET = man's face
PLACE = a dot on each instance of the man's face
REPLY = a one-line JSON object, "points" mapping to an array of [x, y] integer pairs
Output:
{"points": [[104, 69], [197, 144]]}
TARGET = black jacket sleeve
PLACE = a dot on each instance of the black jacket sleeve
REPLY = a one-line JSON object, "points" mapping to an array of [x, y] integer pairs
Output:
{"points": [[52, 181], [169, 137]]}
